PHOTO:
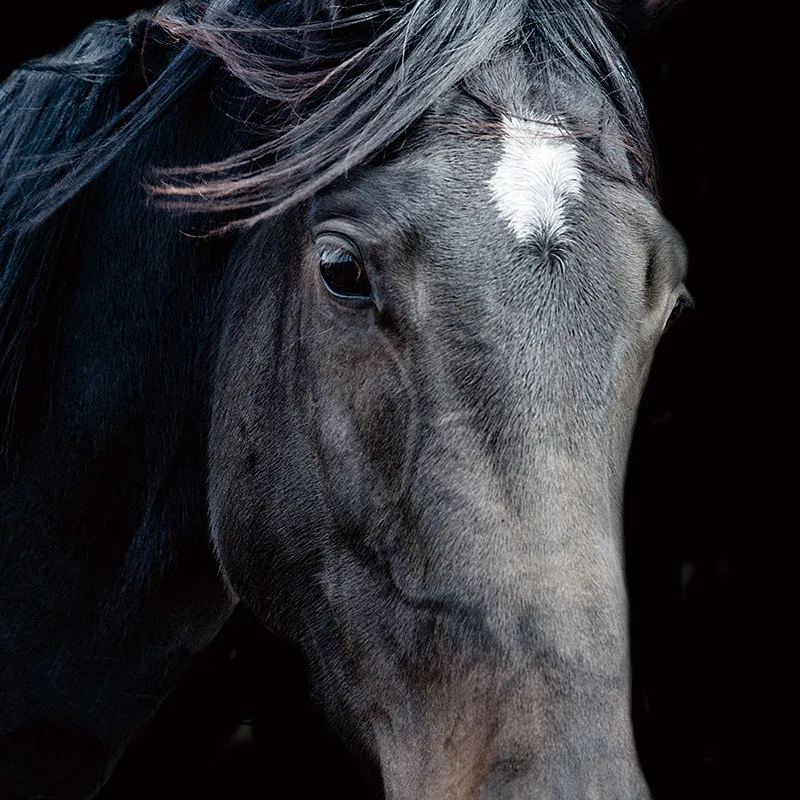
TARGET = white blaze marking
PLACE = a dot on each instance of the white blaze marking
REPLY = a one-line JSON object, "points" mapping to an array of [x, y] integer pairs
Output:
{"points": [[537, 174]]}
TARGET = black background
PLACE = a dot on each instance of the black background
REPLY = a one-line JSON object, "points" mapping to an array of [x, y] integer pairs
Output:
{"points": [[701, 523]]}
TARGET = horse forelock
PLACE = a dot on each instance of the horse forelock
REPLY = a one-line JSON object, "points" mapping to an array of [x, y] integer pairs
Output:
{"points": [[346, 85]]}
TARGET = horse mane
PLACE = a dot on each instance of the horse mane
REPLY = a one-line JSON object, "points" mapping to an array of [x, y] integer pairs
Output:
{"points": [[63, 119], [336, 84]]}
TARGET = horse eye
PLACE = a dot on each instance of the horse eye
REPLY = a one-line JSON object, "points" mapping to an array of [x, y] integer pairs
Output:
{"points": [[343, 274], [681, 304]]}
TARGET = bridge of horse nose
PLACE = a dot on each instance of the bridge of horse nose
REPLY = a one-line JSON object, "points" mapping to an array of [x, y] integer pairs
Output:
{"points": [[469, 764], [526, 664]]}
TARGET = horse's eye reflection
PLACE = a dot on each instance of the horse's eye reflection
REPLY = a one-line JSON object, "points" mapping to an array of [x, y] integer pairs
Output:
{"points": [[343, 274]]}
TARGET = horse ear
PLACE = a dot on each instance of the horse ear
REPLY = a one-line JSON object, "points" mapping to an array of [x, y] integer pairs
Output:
{"points": [[636, 15]]}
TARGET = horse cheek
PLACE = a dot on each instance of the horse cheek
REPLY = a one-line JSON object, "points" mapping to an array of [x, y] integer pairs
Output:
{"points": [[363, 435]]}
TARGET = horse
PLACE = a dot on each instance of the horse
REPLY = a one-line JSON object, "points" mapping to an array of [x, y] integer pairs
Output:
{"points": [[341, 311]]}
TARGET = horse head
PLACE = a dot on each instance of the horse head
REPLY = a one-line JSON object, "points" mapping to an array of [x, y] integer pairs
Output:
{"points": [[426, 389], [389, 409]]}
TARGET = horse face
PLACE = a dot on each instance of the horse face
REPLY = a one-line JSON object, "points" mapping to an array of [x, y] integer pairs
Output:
{"points": [[426, 391]]}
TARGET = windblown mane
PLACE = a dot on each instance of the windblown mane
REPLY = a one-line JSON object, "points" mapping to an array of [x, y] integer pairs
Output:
{"points": [[343, 81], [63, 119], [335, 83]]}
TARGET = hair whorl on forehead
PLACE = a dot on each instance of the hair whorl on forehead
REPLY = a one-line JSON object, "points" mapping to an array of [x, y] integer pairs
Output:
{"points": [[343, 81]]}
